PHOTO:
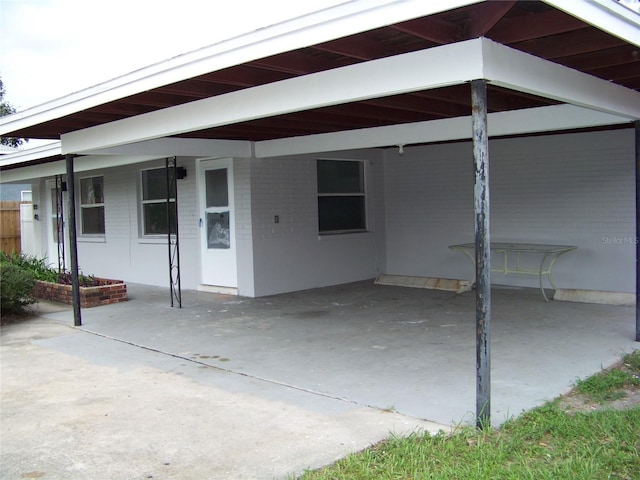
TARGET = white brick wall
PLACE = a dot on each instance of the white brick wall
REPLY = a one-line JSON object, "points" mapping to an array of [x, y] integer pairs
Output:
{"points": [[569, 189], [572, 189], [123, 254], [290, 255]]}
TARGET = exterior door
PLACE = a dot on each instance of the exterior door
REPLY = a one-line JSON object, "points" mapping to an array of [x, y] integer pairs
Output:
{"points": [[217, 225]]}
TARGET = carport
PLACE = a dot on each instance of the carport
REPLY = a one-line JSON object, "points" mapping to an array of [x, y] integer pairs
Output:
{"points": [[400, 349], [374, 74]]}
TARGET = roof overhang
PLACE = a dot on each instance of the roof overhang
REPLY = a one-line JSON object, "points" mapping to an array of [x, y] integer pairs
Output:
{"points": [[367, 73], [348, 18], [456, 63]]}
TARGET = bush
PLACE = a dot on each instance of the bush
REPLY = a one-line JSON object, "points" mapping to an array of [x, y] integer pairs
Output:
{"points": [[38, 268], [16, 285]]}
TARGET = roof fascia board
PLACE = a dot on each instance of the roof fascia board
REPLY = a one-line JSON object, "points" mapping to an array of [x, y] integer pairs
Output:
{"points": [[513, 69], [21, 156], [515, 122], [335, 22], [187, 147], [456, 63], [81, 164], [607, 15]]}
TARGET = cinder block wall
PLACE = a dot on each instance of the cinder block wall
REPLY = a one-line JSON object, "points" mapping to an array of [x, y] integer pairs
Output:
{"points": [[290, 255], [575, 189], [123, 253]]}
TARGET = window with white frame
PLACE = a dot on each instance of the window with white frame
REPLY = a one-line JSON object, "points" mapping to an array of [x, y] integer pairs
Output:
{"points": [[92, 206], [341, 196], [154, 203]]}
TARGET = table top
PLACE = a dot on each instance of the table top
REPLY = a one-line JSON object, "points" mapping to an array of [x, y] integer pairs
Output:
{"points": [[518, 247]]}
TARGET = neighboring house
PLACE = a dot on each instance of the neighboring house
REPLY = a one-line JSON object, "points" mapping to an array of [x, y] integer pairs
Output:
{"points": [[12, 193], [336, 147]]}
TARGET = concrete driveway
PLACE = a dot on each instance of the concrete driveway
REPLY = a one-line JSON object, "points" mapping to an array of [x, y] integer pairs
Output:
{"points": [[230, 387]]}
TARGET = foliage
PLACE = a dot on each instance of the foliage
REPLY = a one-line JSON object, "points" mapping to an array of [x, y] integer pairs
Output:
{"points": [[16, 285], [548, 442], [632, 362], [38, 268], [610, 384], [7, 109]]}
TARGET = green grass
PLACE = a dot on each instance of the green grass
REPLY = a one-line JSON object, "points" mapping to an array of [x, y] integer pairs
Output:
{"points": [[545, 443], [610, 384]]}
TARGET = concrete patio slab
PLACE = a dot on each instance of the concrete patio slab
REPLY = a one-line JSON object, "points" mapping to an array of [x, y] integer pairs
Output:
{"points": [[231, 387]]}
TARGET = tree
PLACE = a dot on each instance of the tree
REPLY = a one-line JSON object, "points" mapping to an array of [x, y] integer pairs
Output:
{"points": [[7, 109]]}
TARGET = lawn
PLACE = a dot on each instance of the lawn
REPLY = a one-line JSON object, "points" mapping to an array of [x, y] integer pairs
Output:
{"points": [[592, 433]]}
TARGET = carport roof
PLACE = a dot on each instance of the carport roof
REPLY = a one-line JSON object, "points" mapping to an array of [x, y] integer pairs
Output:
{"points": [[384, 29]]}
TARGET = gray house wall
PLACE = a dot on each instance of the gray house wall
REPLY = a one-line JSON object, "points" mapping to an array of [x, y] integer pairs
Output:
{"points": [[122, 253], [573, 189], [291, 255]]}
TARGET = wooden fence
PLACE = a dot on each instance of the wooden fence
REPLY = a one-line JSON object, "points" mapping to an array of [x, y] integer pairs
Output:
{"points": [[10, 227]]}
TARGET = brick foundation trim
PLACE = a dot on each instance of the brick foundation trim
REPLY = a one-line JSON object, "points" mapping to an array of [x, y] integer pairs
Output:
{"points": [[110, 291]]}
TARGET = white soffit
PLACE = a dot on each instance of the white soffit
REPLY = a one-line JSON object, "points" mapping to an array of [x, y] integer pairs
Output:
{"points": [[515, 122], [345, 19], [456, 63]]}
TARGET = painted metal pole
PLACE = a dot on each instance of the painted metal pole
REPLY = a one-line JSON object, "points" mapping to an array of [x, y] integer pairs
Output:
{"points": [[637, 134], [482, 240], [73, 241]]}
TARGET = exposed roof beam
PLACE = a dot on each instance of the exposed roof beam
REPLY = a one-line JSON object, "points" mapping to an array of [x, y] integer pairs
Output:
{"points": [[456, 62], [431, 29], [486, 16], [552, 22], [520, 71], [167, 147], [607, 15], [526, 121], [335, 22]]}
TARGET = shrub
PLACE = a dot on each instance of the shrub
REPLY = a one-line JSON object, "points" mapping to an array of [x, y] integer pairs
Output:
{"points": [[16, 285], [37, 266]]}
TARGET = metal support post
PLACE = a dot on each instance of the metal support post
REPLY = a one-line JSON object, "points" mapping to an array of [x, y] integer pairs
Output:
{"points": [[73, 241], [60, 224], [637, 136], [483, 261], [173, 238]]}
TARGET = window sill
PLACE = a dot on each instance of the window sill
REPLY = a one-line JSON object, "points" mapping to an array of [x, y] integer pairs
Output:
{"points": [[93, 239], [330, 236], [153, 240]]}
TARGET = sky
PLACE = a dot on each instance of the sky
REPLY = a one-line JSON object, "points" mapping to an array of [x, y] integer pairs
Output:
{"points": [[50, 48]]}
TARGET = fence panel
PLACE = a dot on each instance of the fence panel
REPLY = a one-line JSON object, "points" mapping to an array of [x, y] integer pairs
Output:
{"points": [[10, 227]]}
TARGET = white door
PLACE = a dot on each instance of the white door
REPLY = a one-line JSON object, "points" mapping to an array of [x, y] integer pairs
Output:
{"points": [[217, 225], [57, 234]]}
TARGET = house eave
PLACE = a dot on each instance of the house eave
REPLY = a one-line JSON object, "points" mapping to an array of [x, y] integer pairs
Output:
{"points": [[344, 19]]}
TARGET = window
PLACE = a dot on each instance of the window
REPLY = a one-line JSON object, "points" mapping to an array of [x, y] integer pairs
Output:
{"points": [[92, 206], [154, 203], [341, 196]]}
